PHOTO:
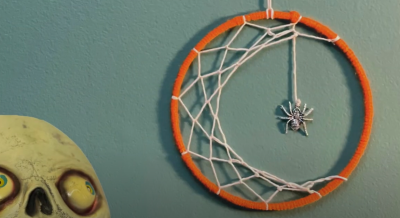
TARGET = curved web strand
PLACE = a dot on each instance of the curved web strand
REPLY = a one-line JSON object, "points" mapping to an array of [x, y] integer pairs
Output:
{"points": [[278, 34]]}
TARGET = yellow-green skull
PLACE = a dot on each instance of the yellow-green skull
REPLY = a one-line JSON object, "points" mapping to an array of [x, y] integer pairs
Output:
{"points": [[43, 173]]}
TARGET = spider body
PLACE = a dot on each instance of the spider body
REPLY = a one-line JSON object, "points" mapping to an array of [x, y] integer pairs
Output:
{"points": [[297, 117]]}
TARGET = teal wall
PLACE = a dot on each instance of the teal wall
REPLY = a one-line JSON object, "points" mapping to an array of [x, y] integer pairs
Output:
{"points": [[103, 71]]}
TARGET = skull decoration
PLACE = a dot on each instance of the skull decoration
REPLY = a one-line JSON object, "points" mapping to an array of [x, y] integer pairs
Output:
{"points": [[43, 173]]}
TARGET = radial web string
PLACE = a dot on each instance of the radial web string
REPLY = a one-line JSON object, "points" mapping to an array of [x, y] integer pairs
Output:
{"points": [[278, 34]]}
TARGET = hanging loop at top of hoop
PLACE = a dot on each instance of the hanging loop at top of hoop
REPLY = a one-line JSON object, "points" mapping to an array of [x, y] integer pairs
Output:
{"points": [[270, 10]]}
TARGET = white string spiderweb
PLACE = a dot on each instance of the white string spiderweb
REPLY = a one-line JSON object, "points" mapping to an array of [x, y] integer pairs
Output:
{"points": [[277, 34]]}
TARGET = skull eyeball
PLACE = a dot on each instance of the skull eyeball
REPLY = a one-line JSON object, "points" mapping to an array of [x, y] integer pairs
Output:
{"points": [[43, 173]]}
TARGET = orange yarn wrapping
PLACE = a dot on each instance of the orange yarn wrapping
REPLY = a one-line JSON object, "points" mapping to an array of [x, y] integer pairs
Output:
{"points": [[293, 17]]}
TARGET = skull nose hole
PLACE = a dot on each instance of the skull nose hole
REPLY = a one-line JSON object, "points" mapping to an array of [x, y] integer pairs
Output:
{"points": [[40, 195]]}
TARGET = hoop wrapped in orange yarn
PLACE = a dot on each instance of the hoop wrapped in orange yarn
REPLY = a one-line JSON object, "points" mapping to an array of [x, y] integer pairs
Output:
{"points": [[329, 187]]}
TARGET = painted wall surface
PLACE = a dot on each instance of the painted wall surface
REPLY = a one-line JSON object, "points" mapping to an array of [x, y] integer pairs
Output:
{"points": [[103, 71]]}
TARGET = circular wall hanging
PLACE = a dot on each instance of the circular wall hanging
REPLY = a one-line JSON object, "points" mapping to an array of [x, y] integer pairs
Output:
{"points": [[296, 116]]}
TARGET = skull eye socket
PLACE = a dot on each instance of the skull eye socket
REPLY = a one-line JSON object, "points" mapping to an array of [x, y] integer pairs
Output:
{"points": [[78, 193], [6, 186]]}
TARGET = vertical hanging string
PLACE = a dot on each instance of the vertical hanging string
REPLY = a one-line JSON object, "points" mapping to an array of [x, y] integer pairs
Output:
{"points": [[295, 99], [270, 10]]}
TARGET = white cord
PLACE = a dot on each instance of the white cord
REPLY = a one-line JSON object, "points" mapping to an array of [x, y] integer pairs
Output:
{"points": [[269, 8], [296, 100]]}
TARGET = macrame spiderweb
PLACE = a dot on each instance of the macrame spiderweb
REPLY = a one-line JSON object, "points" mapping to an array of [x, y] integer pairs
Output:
{"points": [[271, 36]]}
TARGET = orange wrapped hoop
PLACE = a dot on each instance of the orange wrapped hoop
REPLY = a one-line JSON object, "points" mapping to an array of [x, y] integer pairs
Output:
{"points": [[329, 187]]}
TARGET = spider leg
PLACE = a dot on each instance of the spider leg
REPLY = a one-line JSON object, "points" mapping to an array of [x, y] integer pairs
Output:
{"points": [[290, 107], [284, 110], [287, 126], [285, 118], [308, 119], [305, 128], [304, 109], [309, 112]]}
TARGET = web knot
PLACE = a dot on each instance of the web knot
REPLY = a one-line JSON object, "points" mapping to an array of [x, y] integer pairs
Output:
{"points": [[270, 33]]}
